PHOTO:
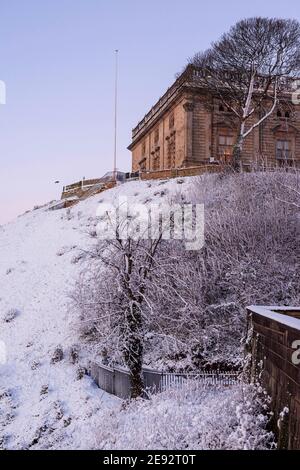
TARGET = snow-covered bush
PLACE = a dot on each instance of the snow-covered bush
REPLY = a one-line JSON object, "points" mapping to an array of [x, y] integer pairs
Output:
{"points": [[44, 389], [80, 372], [195, 306], [7, 414], [65, 249], [112, 300], [74, 354], [35, 365], [161, 193], [11, 314], [61, 251], [190, 419], [68, 215], [58, 355], [250, 256], [79, 256]]}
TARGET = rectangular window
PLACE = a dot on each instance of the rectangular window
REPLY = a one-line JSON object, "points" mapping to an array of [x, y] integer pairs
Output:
{"points": [[225, 147], [222, 140], [283, 150], [171, 121], [156, 136]]}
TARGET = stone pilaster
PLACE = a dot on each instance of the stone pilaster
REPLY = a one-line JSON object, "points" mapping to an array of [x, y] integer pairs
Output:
{"points": [[188, 132]]}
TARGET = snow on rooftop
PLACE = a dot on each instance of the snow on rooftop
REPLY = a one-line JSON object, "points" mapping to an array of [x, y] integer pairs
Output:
{"points": [[271, 313]]}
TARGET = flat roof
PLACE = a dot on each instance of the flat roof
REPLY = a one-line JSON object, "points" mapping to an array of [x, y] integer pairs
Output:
{"points": [[272, 314]]}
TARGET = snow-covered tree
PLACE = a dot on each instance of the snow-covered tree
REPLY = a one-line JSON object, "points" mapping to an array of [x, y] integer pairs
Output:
{"points": [[114, 299], [186, 310], [248, 68]]}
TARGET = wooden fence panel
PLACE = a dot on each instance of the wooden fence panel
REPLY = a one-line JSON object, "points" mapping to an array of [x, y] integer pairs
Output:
{"points": [[273, 332]]}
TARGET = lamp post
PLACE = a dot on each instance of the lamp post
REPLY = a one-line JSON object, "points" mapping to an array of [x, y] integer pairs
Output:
{"points": [[116, 113]]}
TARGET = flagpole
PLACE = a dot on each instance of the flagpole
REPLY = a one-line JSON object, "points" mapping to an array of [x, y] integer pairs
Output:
{"points": [[116, 114]]}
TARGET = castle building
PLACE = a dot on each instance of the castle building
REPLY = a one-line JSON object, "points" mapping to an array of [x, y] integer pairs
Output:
{"points": [[188, 127]]}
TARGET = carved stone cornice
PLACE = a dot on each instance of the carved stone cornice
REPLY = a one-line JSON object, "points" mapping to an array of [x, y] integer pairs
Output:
{"points": [[189, 106]]}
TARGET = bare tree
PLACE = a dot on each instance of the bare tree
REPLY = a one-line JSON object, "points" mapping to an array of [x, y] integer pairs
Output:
{"points": [[113, 298], [249, 68], [154, 302]]}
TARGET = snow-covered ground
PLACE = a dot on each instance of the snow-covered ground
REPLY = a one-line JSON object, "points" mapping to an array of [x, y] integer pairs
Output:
{"points": [[45, 405], [190, 418]]}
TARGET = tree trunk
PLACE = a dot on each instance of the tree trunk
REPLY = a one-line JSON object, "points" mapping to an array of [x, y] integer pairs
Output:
{"points": [[133, 353], [237, 153]]}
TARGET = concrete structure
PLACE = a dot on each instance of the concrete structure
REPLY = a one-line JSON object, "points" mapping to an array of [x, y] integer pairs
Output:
{"points": [[187, 127]]}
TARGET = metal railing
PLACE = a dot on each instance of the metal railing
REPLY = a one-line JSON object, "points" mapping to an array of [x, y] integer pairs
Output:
{"points": [[116, 380], [87, 184]]}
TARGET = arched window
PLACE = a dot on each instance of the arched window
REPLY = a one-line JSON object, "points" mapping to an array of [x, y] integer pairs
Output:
{"points": [[221, 108], [279, 114], [287, 115]]}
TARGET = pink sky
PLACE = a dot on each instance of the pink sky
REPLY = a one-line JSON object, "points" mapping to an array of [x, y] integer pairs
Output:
{"points": [[57, 60]]}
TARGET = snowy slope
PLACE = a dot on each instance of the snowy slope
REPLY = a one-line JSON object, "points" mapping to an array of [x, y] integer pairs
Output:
{"points": [[44, 405]]}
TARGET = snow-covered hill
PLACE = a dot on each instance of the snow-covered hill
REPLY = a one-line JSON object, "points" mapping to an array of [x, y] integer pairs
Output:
{"points": [[44, 404]]}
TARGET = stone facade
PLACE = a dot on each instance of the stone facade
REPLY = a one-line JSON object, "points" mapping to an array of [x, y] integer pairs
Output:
{"points": [[187, 127]]}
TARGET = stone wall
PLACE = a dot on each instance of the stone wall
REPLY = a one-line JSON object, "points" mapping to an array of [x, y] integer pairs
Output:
{"points": [[83, 191], [198, 121], [170, 126], [177, 172]]}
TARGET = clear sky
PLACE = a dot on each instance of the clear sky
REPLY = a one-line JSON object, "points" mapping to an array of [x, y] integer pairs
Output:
{"points": [[57, 60]]}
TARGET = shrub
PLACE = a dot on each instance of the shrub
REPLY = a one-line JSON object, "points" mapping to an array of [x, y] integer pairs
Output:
{"points": [[190, 419], [11, 314], [194, 310]]}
